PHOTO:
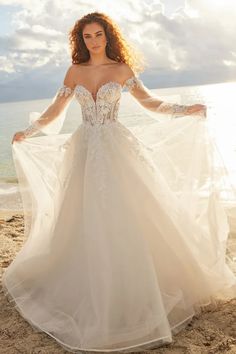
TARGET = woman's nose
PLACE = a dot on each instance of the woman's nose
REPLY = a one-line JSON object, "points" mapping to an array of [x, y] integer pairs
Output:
{"points": [[94, 40]]}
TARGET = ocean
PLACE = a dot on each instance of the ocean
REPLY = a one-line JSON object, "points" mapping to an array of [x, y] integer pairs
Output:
{"points": [[14, 116]]}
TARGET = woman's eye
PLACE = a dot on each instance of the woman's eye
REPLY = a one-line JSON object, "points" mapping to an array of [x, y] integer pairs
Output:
{"points": [[88, 37]]}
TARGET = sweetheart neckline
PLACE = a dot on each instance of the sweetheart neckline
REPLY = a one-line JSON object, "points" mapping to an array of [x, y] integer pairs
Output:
{"points": [[106, 83]]}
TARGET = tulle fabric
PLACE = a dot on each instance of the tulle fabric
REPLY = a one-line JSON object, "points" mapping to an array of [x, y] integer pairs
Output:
{"points": [[54, 115], [126, 233]]}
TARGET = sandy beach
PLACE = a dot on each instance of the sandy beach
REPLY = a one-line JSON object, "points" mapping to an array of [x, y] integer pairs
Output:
{"points": [[213, 331]]}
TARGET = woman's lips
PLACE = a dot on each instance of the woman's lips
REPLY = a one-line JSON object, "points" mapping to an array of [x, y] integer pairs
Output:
{"points": [[98, 46]]}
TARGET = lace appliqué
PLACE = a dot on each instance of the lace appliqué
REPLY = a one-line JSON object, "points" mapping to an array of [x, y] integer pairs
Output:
{"points": [[105, 109], [133, 82], [137, 148], [64, 91], [96, 136], [143, 154], [175, 110]]}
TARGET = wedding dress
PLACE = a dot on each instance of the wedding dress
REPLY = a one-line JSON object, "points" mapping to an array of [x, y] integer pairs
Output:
{"points": [[126, 229]]}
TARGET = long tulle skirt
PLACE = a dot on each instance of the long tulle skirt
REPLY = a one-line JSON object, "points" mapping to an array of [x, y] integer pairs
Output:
{"points": [[125, 240]]}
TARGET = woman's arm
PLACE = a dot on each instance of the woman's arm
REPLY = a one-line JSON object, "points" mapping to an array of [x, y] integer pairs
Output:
{"points": [[58, 106], [150, 101]]}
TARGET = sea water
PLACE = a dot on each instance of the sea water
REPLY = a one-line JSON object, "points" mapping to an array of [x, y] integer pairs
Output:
{"points": [[14, 116]]}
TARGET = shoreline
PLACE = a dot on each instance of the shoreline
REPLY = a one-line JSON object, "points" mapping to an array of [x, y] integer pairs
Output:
{"points": [[8, 180], [6, 214], [10, 199]]}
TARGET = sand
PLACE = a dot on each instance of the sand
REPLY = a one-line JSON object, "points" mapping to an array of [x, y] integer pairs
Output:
{"points": [[213, 331]]}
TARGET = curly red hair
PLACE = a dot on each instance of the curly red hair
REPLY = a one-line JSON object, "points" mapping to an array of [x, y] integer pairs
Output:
{"points": [[117, 49]]}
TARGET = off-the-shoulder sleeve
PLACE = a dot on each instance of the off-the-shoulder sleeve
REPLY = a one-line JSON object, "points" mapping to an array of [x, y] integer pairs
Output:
{"points": [[151, 101], [51, 120]]}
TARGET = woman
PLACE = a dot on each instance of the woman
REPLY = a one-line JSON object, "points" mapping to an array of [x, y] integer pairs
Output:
{"points": [[115, 260]]}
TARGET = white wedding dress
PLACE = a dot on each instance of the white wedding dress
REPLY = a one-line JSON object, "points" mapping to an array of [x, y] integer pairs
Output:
{"points": [[126, 229]]}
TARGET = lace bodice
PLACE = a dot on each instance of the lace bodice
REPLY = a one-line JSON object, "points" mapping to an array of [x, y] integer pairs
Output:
{"points": [[102, 110]]}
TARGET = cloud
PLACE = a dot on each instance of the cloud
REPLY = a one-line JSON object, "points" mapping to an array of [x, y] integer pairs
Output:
{"points": [[193, 44]]}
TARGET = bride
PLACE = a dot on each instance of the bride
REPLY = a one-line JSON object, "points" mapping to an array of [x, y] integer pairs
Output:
{"points": [[125, 236]]}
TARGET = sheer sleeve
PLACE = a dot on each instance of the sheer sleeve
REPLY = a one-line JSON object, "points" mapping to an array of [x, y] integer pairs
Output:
{"points": [[152, 102], [51, 120]]}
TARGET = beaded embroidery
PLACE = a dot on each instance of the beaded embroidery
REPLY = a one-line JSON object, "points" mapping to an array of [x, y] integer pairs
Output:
{"points": [[176, 110], [65, 91], [133, 82]]}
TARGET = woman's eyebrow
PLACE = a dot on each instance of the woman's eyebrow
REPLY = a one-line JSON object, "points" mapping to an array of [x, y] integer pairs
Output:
{"points": [[95, 32]]}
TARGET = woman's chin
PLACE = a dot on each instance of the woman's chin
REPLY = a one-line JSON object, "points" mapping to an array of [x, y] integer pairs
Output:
{"points": [[97, 50]]}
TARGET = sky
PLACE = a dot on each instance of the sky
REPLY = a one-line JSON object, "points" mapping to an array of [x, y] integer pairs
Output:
{"points": [[185, 42]]}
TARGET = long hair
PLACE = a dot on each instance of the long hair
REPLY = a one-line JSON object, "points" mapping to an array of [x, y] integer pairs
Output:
{"points": [[117, 48]]}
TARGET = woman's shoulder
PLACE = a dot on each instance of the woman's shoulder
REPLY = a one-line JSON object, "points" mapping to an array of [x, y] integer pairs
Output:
{"points": [[74, 67], [126, 71], [71, 73], [71, 69], [126, 68]]}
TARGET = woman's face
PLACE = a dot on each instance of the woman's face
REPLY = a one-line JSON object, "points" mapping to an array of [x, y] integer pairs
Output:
{"points": [[94, 38]]}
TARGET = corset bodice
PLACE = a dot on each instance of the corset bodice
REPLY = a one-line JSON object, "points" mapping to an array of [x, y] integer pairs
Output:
{"points": [[105, 108]]}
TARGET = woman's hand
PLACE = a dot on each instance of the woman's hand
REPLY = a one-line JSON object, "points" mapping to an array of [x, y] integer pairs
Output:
{"points": [[18, 136], [199, 109]]}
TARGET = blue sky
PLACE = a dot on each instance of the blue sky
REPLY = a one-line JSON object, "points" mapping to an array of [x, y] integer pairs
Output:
{"points": [[185, 42]]}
